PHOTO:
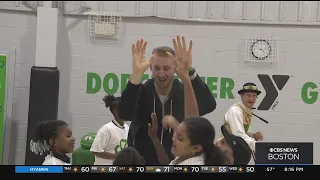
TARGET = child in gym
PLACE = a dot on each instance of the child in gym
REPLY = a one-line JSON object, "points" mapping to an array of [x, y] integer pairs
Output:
{"points": [[55, 137], [129, 157], [193, 138], [111, 138], [192, 142]]}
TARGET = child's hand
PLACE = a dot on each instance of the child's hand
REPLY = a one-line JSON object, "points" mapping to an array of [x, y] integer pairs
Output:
{"points": [[153, 129], [169, 121]]}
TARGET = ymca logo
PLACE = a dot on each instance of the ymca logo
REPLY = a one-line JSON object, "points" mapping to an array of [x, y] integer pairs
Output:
{"points": [[270, 88]]}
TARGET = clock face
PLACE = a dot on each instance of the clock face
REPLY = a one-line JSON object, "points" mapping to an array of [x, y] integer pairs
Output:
{"points": [[261, 49]]}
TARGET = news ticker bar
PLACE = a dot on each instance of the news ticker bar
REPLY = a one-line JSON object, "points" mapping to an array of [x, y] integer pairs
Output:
{"points": [[165, 169]]}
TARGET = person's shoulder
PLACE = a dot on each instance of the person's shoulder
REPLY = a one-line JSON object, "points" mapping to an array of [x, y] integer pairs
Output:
{"points": [[177, 82], [178, 88], [105, 128], [51, 161], [235, 108], [149, 83], [174, 161], [146, 88], [196, 160], [48, 162]]}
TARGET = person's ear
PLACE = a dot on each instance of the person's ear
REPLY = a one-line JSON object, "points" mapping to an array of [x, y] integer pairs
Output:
{"points": [[230, 157], [231, 160], [51, 142], [241, 95], [197, 148]]}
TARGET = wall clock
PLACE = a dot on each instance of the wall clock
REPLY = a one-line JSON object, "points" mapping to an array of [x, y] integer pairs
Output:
{"points": [[261, 49]]}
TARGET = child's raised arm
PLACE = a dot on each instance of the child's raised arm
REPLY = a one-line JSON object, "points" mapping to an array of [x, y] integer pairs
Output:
{"points": [[152, 131]]}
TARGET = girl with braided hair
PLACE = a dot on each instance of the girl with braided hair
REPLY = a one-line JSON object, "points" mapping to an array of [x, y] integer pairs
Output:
{"points": [[54, 138]]}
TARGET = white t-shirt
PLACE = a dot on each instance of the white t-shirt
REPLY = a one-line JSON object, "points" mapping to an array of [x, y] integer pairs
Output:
{"points": [[110, 138], [51, 160], [196, 160], [163, 99]]}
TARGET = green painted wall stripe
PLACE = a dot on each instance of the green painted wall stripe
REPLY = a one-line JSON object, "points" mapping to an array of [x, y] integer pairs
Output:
{"points": [[2, 100]]}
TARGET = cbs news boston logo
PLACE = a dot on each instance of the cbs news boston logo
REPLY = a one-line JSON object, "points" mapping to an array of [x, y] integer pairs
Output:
{"points": [[284, 153]]}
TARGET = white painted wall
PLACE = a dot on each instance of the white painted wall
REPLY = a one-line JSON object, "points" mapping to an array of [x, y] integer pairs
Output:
{"points": [[18, 30], [261, 12], [218, 52]]}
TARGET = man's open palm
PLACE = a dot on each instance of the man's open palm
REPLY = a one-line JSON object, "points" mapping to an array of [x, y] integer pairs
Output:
{"points": [[183, 53], [139, 61]]}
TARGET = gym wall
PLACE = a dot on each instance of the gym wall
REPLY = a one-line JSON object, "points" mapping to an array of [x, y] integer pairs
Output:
{"points": [[218, 56]]}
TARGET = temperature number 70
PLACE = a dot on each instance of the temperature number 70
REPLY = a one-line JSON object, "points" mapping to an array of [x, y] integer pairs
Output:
{"points": [[140, 169]]}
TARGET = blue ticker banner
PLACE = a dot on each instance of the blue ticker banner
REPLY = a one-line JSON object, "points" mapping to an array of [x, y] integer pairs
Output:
{"points": [[39, 169]]}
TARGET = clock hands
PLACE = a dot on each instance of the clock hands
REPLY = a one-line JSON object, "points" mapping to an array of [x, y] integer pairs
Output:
{"points": [[261, 49]]}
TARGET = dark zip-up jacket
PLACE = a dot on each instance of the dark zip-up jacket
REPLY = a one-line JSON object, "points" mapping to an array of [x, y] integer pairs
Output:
{"points": [[139, 101]]}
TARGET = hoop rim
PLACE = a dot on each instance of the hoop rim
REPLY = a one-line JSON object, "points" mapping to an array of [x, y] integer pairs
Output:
{"points": [[104, 13]]}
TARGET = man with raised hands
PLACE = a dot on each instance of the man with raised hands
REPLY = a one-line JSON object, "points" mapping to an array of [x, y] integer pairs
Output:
{"points": [[162, 95]]}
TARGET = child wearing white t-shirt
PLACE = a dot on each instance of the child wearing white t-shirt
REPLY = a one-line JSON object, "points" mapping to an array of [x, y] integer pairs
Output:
{"points": [[111, 138]]}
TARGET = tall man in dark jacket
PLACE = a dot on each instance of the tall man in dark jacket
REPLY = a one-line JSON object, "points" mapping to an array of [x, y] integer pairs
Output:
{"points": [[162, 94]]}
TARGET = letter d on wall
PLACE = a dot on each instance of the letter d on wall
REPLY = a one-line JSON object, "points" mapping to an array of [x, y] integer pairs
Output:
{"points": [[91, 87]]}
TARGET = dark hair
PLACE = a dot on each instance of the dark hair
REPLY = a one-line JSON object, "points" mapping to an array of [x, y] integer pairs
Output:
{"points": [[201, 132], [111, 102], [46, 130], [162, 51], [128, 156]]}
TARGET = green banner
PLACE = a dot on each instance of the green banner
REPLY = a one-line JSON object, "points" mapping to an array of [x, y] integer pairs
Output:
{"points": [[3, 66]]}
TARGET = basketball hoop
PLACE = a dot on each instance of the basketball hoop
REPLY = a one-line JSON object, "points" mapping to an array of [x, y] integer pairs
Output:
{"points": [[104, 25]]}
